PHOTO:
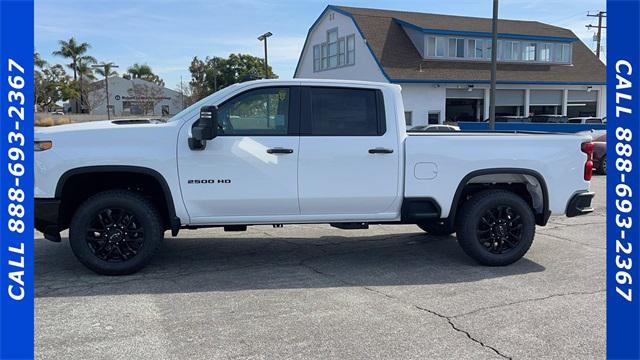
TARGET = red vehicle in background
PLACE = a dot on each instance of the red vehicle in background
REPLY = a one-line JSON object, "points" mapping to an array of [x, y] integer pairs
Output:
{"points": [[600, 154]]}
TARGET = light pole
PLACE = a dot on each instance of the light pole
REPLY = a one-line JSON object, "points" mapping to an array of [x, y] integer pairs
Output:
{"points": [[264, 37], [494, 67], [107, 69]]}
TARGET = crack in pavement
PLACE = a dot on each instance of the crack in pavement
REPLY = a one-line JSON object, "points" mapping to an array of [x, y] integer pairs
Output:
{"points": [[574, 293], [388, 296], [572, 241]]}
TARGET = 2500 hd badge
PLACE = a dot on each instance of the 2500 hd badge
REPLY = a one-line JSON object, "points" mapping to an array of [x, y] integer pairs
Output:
{"points": [[209, 181]]}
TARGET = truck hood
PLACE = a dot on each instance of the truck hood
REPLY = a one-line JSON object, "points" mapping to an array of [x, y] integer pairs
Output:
{"points": [[97, 126]]}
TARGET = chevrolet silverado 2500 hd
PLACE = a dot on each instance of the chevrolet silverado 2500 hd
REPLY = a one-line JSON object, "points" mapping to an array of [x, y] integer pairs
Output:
{"points": [[294, 152]]}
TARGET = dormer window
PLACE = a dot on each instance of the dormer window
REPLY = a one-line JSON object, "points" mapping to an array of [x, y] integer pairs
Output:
{"points": [[335, 52], [460, 48]]}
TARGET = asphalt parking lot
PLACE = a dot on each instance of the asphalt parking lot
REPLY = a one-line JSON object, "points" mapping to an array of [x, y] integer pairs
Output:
{"points": [[317, 292]]}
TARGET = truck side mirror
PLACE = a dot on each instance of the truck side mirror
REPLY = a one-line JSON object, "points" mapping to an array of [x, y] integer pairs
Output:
{"points": [[206, 128]]}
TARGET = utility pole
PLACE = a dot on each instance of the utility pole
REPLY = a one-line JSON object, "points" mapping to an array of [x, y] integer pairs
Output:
{"points": [[494, 67], [107, 68], [181, 92], [264, 37], [599, 15]]}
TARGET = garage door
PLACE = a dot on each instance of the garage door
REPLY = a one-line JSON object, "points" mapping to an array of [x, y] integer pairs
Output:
{"points": [[505, 97], [545, 97]]}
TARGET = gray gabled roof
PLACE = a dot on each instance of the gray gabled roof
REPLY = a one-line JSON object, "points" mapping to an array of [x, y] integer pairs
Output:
{"points": [[400, 61]]}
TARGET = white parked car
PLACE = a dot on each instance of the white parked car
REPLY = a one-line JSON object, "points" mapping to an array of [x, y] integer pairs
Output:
{"points": [[298, 152], [586, 120]]}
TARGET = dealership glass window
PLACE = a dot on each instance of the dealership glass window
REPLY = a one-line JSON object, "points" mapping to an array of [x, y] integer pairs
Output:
{"points": [[471, 48], [339, 112], [316, 58], [479, 48], [351, 49], [516, 53], [456, 48], [508, 50], [431, 46], [335, 52], [566, 53], [440, 46], [408, 118], [544, 52], [433, 117], [325, 60], [256, 112], [529, 51]]}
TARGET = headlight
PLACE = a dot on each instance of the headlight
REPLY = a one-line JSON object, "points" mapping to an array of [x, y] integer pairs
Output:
{"points": [[42, 145]]}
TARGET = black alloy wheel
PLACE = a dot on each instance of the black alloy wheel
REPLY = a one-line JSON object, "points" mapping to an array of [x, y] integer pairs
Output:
{"points": [[500, 229], [115, 235]]}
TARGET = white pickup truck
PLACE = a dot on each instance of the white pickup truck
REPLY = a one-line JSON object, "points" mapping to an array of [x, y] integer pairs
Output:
{"points": [[295, 152]]}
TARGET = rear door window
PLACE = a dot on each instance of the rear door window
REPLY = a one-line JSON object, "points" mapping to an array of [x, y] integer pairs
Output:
{"points": [[344, 112]]}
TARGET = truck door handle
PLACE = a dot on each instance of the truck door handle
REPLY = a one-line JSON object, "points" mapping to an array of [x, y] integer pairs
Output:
{"points": [[279, 151], [380, 151]]}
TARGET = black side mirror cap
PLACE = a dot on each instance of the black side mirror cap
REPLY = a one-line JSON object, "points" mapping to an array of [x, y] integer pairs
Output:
{"points": [[206, 128]]}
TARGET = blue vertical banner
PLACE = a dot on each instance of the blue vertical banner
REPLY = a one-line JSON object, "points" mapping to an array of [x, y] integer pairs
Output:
{"points": [[623, 181], [16, 179]]}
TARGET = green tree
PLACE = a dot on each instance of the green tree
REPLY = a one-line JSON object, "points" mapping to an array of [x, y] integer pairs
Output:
{"points": [[74, 51], [53, 85], [212, 74], [39, 66], [143, 72]]}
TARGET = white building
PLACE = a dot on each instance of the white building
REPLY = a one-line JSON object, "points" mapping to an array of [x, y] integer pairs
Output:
{"points": [[133, 97], [442, 63]]}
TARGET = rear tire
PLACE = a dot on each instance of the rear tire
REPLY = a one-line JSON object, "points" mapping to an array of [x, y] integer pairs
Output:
{"points": [[440, 228], [115, 232], [602, 169], [496, 227]]}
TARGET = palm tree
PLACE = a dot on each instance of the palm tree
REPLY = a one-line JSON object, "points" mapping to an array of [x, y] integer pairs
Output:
{"points": [[106, 70], [138, 71], [143, 72], [38, 61], [72, 50], [85, 72]]}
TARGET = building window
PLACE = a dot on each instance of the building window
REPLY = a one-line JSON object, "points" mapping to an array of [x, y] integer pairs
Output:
{"points": [[545, 52], [508, 50], [440, 47], [408, 118], [316, 58], [433, 117], [351, 49], [431, 46], [529, 52], [335, 52]]}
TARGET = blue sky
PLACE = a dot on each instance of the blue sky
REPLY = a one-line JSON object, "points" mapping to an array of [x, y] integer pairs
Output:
{"points": [[167, 34]]}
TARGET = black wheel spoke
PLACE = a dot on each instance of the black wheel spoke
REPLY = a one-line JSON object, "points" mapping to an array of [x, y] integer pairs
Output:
{"points": [[115, 235], [499, 229]]}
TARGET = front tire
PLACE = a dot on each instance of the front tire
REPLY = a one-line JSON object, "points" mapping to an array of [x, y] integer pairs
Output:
{"points": [[115, 232], [496, 227]]}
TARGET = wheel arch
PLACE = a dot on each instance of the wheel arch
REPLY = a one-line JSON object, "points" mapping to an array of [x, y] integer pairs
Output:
{"points": [[173, 222], [493, 176]]}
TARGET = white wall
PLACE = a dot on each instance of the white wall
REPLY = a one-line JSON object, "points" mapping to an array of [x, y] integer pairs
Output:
{"points": [[365, 67], [119, 89], [422, 98]]}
